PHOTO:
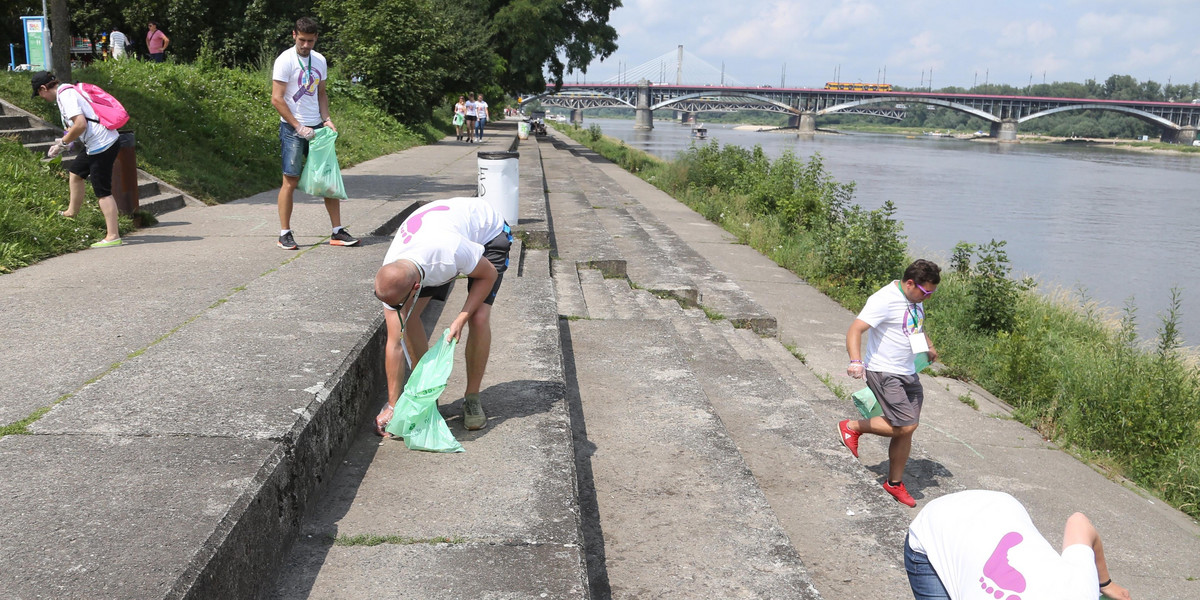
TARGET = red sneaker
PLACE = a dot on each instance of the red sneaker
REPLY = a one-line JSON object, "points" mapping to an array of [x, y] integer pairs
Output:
{"points": [[900, 494], [849, 438]]}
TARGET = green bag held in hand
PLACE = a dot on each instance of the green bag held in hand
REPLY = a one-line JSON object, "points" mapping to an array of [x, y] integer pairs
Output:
{"points": [[321, 176], [864, 399], [416, 418]]}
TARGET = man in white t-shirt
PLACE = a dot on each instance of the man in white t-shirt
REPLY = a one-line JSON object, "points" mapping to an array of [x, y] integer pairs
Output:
{"points": [[982, 545], [436, 243], [117, 42], [298, 95], [894, 320], [95, 163]]}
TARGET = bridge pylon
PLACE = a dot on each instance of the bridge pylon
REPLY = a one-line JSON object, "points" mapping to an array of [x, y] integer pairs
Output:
{"points": [[643, 117], [1005, 130]]}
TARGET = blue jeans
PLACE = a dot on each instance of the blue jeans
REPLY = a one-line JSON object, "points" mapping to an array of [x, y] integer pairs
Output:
{"points": [[295, 149], [922, 578]]}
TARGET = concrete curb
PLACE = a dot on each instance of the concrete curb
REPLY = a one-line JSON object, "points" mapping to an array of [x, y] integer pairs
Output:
{"points": [[254, 536]]}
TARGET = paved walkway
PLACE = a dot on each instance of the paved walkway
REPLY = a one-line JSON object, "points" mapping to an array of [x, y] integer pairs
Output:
{"points": [[202, 383], [183, 392]]}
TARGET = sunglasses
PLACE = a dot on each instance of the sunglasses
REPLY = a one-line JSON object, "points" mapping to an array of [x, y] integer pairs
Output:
{"points": [[923, 290], [412, 295]]}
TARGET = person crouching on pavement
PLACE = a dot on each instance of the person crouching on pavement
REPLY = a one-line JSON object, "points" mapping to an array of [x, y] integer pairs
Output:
{"points": [[982, 544], [438, 242], [95, 163], [894, 320]]}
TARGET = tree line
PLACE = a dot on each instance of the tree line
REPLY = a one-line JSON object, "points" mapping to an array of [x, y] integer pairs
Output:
{"points": [[408, 53]]}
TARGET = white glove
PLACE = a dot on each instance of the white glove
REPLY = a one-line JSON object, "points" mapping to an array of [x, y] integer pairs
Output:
{"points": [[55, 149], [856, 370], [306, 132]]}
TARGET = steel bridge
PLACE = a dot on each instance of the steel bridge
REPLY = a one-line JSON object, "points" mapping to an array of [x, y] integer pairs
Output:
{"points": [[1177, 121]]}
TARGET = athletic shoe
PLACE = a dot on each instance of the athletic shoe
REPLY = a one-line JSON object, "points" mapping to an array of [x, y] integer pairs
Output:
{"points": [[107, 244], [900, 494], [473, 417], [849, 438], [287, 242], [342, 238]]}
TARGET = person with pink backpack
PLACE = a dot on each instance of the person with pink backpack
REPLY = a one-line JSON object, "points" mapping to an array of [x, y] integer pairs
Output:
{"points": [[91, 116]]}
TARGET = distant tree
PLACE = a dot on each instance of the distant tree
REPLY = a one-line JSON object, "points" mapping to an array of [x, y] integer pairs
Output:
{"points": [[533, 37], [409, 53]]}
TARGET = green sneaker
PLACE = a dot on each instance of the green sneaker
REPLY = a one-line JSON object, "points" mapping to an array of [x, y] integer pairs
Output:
{"points": [[107, 244], [473, 417]]}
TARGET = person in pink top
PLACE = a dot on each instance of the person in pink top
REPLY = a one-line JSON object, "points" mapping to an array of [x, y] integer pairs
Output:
{"points": [[156, 43]]}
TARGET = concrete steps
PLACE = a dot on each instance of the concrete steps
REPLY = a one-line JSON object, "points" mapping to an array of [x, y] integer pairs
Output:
{"points": [[154, 195], [773, 411]]}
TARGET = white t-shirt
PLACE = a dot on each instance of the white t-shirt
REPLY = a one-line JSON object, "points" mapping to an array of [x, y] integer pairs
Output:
{"points": [[470, 108], [981, 540], [481, 109], [117, 41], [446, 238], [96, 138], [892, 319], [303, 75]]}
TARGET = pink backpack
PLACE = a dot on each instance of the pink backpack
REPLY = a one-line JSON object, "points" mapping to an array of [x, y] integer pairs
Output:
{"points": [[109, 112]]}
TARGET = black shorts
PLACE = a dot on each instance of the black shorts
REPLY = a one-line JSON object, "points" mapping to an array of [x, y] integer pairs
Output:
{"points": [[98, 168], [470, 118], [496, 251]]}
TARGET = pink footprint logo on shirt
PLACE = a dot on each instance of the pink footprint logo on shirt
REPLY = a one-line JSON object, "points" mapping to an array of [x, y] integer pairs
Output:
{"points": [[412, 225], [1003, 577]]}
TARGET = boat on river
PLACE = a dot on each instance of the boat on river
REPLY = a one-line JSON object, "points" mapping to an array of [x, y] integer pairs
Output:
{"points": [[699, 133]]}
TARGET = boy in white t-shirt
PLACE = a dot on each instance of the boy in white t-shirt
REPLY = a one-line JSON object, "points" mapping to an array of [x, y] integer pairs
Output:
{"points": [[894, 319], [436, 243], [981, 544], [298, 95], [95, 164]]}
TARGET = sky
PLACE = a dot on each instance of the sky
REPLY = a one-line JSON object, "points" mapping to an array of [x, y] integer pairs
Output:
{"points": [[804, 43]]}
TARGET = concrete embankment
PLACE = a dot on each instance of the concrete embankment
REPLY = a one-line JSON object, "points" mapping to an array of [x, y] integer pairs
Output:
{"points": [[706, 460], [645, 439], [201, 385]]}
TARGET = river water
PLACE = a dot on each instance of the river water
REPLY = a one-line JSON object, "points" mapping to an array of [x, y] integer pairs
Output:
{"points": [[1118, 224]]}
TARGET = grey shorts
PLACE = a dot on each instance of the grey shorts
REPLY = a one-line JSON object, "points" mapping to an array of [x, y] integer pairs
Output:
{"points": [[900, 396]]}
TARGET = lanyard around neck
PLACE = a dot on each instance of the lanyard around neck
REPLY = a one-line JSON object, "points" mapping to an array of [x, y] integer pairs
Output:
{"points": [[309, 69]]}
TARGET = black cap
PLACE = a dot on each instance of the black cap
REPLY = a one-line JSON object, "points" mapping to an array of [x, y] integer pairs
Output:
{"points": [[40, 79]]}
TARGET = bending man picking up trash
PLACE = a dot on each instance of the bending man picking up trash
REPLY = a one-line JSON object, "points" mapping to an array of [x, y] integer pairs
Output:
{"points": [[438, 242], [894, 320]]}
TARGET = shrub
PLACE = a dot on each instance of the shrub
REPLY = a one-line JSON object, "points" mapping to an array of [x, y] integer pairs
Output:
{"points": [[994, 294]]}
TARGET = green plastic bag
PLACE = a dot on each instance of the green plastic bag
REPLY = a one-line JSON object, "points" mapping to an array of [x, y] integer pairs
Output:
{"points": [[864, 399], [416, 418], [321, 176]]}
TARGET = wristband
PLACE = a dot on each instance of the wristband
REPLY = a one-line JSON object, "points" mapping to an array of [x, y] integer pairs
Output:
{"points": [[1107, 583], [856, 361]]}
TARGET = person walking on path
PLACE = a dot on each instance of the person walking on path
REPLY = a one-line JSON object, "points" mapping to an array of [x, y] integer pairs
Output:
{"points": [[298, 95], [982, 544], [438, 242], [460, 117], [100, 151], [481, 116], [470, 116], [156, 43], [894, 320], [117, 43]]}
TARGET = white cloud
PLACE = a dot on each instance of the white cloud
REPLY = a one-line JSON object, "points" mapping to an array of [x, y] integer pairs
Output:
{"points": [[1124, 26], [849, 15]]}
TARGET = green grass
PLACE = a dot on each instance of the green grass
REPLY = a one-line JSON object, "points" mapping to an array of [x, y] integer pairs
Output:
{"points": [[211, 131], [376, 540], [31, 195], [1072, 370]]}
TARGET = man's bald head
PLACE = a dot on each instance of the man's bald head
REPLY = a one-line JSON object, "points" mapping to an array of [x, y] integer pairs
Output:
{"points": [[396, 280]]}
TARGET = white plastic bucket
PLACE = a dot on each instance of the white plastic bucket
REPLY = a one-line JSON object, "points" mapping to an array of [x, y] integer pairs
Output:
{"points": [[523, 130], [498, 182]]}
